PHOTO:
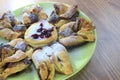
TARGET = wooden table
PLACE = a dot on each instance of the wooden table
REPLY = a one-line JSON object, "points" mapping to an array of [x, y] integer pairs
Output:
{"points": [[105, 64]]}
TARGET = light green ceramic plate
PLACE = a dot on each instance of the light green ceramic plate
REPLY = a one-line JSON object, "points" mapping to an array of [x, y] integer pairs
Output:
{"points": [[79, 55]]}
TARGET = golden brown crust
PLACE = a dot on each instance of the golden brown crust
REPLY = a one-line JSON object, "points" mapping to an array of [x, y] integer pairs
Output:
{"points": [[27, 49], [19, 55], [50, 57], [60, 8], [61, 59], [75, 33], [42, 15], [15, 41], [61, 23], [6, 51], [14, 68], [17, 61], [5, 24], [33, 14], [9, 34], [44, 65]]}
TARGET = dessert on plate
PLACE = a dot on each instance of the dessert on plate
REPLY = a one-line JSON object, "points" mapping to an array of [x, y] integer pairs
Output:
{"points": [[14, 57], [51, 58], [42, 40]]}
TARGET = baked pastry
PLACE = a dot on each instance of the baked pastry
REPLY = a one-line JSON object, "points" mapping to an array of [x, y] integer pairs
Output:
{"points": [[17, 56], [61, 59], [40, 34], [34, 14], [41, 38], [8, 29], [20, 28], [9, 34], [60, 8], [75, 33], [13, 58], [6, 51], [9, 17], [20, 44], [51, 58], [63, 14], [43, 64], [5, 24], [13, 68]]}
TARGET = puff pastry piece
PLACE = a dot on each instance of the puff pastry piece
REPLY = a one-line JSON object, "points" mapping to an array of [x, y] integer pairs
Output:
{"points": [[19, 55], [5, 24], [77, 39], [20, 28], [6, 51], [56, 20], [15, 67], [60, 8], [20, 44], [33, 14], [9, 34], [75, 33], [52, 57], [13, 60], [8, 20], [40, 34], [43, 64], [71, 14], [63, 15], [61, 59]]}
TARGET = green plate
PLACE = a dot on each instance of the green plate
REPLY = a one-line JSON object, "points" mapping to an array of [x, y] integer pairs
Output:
{"points": [[79, 56]]}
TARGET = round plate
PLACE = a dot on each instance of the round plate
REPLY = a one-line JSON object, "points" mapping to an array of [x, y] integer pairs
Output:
{"points": [[79, 56]]}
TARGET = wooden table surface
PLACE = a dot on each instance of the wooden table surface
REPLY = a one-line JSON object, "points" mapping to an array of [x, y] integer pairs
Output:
{"points": [[105, 63]]}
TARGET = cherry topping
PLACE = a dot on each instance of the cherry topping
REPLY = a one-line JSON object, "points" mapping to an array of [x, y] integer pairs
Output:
{"points": [[48, 35], [41, 35], [44, 31], [40, 29], [35, 36], [41, 24]]}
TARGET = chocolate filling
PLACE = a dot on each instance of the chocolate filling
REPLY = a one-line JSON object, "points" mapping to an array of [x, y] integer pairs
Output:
{"points": [[6, 49], [21, 45], [19, 27], [54, 18], [33, 17]]}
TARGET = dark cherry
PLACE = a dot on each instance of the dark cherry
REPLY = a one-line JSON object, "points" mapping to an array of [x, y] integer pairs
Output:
{"points": [[35, 36], [41, 35], [41, 24], [48, 35], [44, 31], [40, 29]]}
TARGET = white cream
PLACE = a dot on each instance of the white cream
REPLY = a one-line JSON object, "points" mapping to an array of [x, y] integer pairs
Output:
{"points": [[46, 25]]}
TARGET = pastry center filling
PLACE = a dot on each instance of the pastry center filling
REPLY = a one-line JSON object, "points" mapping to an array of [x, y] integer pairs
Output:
{"points": [[44, 30]]}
